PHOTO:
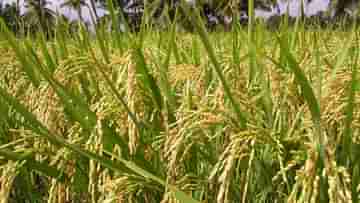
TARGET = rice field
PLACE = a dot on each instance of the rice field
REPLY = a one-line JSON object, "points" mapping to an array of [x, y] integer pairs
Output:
{"points": [[249, 115]]}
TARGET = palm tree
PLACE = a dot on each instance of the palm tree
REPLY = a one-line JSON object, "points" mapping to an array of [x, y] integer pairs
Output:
{"points": [[18, 9], [38, 14], [94, 9], [8, 13], [131, 9]]}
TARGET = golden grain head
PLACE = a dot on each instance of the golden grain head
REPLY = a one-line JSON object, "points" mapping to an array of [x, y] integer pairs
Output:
{"points": [[192, 143]]}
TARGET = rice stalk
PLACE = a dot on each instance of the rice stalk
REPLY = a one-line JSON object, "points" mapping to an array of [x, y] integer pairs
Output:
{"points": [[8, 175]]}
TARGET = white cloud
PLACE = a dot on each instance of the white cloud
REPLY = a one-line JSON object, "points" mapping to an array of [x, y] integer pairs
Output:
{"points": [[310, 8]]}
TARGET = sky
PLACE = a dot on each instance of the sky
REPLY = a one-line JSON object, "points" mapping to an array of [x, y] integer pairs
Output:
{"points": [[310, 9], [55, 5], [282, 6], [293, 7]]}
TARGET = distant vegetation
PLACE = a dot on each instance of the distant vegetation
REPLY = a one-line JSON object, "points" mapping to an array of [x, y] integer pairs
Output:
{"points": [[160, 12], [241, 114]]}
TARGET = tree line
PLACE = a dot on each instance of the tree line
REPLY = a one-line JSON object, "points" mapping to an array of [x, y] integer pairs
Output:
{"points": [[38, 15]]}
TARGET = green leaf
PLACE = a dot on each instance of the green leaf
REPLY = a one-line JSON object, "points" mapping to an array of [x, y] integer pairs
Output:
{"points": [[145, 76], [182, 196], [304, 84], [37, 127], [60, 38], [195, 19], [111, 138], [347, 143], [312, 103], [100, 68], [31, 163], [342, 56], [50, 62], [164, 81], [27, 67]]}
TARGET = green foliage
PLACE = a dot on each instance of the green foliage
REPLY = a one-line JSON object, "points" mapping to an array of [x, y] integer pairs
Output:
{"points": [[248, 115]]}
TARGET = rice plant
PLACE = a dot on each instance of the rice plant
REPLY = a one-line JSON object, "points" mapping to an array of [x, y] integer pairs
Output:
{"points": [[247, 115]]}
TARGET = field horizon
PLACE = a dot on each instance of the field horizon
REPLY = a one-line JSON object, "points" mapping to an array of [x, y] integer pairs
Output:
{"points": [[248, 115]]}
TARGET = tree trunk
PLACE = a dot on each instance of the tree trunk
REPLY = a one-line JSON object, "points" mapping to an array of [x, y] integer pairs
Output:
{"points": [[17, 15], [93, 7], [18, 7], [43, 22], [80, 14]]}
